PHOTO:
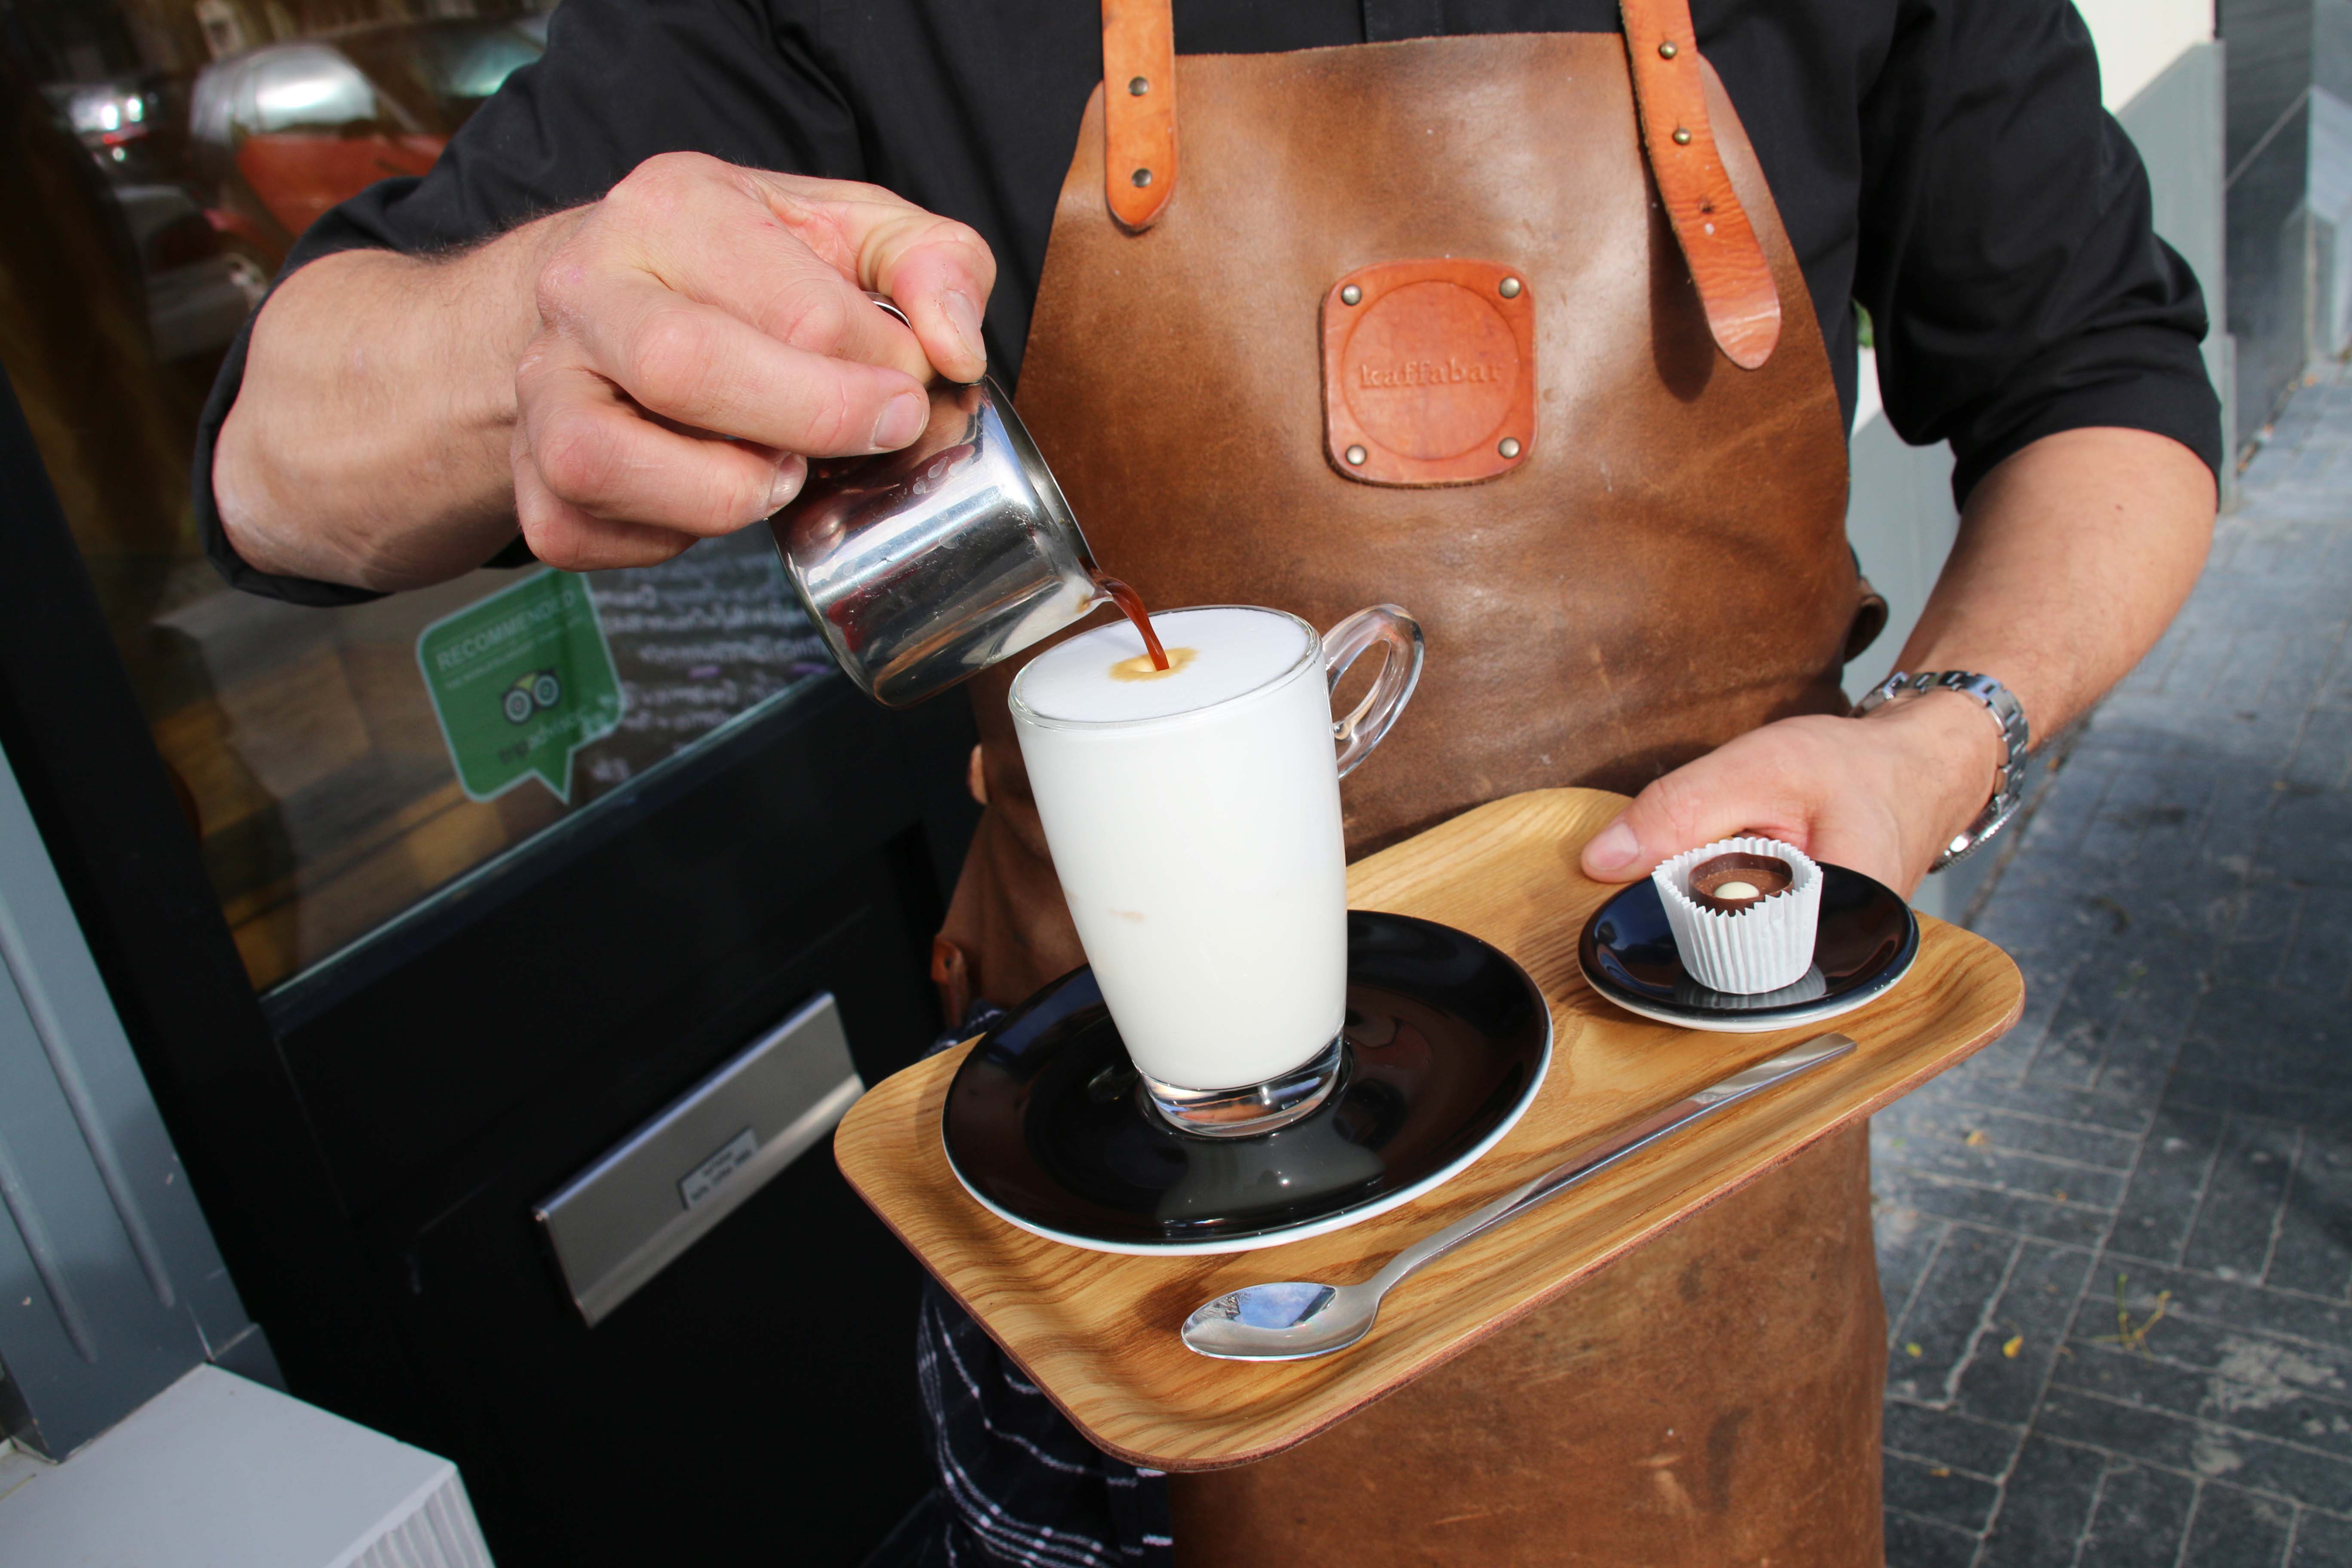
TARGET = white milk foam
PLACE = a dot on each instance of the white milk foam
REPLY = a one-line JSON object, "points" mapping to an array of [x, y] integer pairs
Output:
{"points": [[1237, 650], [1200, 850]]}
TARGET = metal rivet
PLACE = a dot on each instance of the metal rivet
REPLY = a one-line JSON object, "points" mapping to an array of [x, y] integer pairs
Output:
{"points": [[1351, 295], [1682, 138], [1667, 50], [1508, 447], [1357, 455], [1509, 288], [1143, 176], [1139, 86]]}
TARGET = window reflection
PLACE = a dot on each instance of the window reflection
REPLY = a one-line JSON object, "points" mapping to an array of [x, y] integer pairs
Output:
{"points": [[158, 158]]}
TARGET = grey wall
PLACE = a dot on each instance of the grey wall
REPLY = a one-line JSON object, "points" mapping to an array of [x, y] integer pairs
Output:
{"points": [[110, 1288], [2289, 192]]}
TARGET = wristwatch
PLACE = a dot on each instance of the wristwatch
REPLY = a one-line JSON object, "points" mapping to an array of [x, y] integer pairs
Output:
{"points": [[2007, 717]]}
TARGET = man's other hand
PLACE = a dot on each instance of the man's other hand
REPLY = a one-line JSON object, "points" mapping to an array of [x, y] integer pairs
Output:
{"points": [[1881, 794], [703, 332]]}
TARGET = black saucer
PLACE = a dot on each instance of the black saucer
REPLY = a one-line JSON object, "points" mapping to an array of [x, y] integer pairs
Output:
{"points": [[1446, 1040], [1866, 942]]}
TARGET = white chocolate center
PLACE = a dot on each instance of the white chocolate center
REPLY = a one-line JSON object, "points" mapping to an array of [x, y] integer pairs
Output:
{"points": [[1735, 890]]}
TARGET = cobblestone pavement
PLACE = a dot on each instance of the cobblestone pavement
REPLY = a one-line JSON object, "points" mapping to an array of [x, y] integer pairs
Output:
{"points": [[2117, 1245]]}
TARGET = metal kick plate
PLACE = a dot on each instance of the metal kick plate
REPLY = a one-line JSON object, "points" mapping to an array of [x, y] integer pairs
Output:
{"points": [[622, 1221]]}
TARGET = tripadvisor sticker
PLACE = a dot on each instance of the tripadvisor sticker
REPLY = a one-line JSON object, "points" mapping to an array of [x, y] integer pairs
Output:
{"points": [[520, 681]]}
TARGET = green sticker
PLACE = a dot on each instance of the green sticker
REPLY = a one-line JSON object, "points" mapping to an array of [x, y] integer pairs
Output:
{"points": [[520, 681]]}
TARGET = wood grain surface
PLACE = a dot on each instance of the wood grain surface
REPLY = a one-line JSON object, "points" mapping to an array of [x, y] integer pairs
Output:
{"points": [[1097, 1331]]}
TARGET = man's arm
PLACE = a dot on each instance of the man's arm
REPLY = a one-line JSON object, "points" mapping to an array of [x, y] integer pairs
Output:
{"points": [[619, 381], [2073, 556], [369, 442]]}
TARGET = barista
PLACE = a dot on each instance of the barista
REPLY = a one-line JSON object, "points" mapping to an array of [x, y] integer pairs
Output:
{"points": [[1652, 594]]}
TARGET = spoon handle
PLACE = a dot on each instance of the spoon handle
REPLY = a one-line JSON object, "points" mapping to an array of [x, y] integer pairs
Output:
{"points": [[1610, 1149]]}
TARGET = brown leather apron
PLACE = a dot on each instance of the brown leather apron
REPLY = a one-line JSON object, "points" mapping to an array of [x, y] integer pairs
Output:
{"points": [[1659, 565], [1664, 569]]}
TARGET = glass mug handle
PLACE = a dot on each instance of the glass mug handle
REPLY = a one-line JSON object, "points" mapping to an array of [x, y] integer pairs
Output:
{"points": [[1400, 636]]}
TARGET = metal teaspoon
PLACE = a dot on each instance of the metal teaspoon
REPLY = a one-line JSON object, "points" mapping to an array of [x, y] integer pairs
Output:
{"points": [[1291, 1319]]}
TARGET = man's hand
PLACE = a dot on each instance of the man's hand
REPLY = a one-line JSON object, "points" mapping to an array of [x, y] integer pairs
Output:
{"points": [[703, 332], [2073, 556], [625, 378], [1881, 794]]}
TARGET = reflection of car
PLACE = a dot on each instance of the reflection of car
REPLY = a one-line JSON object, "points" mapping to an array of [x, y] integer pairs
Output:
{"points": [[201, 282], [310, 123], [529, 693]]}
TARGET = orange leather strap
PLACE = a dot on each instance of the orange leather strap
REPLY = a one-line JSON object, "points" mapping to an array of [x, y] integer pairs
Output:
{"points": [[1138, 109], [1727, 261]]}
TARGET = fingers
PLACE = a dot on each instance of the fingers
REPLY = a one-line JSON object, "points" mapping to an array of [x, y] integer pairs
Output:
{"points": [[698, 365], [1759, 783], [939, 272], [599, 486], [594, 451]]}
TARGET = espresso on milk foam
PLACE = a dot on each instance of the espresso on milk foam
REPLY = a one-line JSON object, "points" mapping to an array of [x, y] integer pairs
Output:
{"points": [[1193, 816]]}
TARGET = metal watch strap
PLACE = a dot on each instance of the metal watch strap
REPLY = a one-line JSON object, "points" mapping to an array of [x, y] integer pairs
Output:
{"points": [[2007, 717]]}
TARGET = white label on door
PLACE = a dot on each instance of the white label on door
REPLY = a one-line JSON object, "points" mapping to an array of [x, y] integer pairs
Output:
{"points": [[721, 1164]]}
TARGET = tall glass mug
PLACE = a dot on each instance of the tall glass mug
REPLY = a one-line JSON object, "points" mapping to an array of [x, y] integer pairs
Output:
{"points": [[1193, 816]]}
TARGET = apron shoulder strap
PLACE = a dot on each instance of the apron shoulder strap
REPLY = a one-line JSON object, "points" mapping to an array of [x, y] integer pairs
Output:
{"points": [[1138, 109], [1726, 260]]}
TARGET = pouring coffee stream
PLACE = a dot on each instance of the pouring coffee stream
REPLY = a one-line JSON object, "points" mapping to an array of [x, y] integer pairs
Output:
{"points": [[1130, 604]]}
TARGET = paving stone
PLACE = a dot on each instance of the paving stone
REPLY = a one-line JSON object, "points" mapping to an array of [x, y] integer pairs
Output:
{"points": [[2265, 1397], [2045, 1507], [2084, 1109], [2237, 1529], [1939, 1492], [1923, 1118], [1917, 1543], [1959, 1289], [2197, 1448], [2141, 1519], [2323, 753], [2239, 1217], [2031, 1315], [2315, 1241], [2275, 1361], [1931, 1145], [2231, 1303], [2267, 913], [1948, 1438], [2310, 833], [1906, 1239], [2320, 957], [2268, 1087], [2320, 1541], [2016, 1213], [2160, 1207]]}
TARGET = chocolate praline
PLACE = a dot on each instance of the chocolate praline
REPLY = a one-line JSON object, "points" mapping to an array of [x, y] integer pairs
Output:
{"points": [[1757, 878]]}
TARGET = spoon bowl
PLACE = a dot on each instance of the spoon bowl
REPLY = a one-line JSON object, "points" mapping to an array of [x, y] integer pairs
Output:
{"points": [[1285, 1320]]}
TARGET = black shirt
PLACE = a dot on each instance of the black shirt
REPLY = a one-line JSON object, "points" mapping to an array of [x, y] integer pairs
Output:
{"points": [[1945, 163]]}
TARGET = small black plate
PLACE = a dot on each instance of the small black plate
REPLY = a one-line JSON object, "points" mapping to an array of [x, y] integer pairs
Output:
{"points": [[1446, 1040], [1865, 943]]}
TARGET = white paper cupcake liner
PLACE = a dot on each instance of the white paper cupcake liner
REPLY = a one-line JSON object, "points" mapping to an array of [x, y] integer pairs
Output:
{"points": [[1763, 947]]}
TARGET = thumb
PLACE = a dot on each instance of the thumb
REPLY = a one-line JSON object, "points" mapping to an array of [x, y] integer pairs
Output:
{"points": [[1714, 797]]}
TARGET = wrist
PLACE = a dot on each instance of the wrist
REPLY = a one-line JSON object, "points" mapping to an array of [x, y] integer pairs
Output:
{"points": [[1947, 752]]}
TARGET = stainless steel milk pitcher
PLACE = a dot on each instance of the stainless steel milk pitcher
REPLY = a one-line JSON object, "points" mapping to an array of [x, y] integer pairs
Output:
{"points": [[924, 566]]}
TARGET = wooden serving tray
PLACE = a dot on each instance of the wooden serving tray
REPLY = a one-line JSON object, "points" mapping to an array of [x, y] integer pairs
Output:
{"points": [[1097, 1331]]}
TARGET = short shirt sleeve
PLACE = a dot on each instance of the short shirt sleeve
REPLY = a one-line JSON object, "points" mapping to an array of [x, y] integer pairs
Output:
{"points": [[2009, 260]]}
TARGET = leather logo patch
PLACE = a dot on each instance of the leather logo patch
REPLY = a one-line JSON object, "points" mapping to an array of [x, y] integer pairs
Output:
{"points": [[1429, 372]]}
